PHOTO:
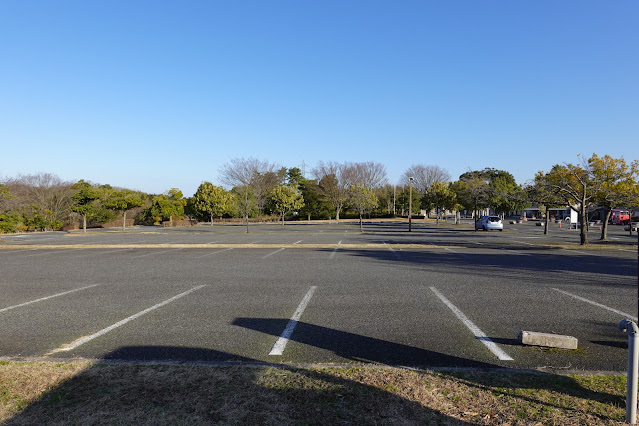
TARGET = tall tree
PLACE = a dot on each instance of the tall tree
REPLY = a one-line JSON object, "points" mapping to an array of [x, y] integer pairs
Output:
{"points": [[363, 200], [424, 176], [254, 177], [575, 186], [334, 181], [83, 200], [212, 200], [286, 198], [542, 195], [472, 192], [122, 201], [44, 193], [616, 182], [168, 205], [441, 197]]}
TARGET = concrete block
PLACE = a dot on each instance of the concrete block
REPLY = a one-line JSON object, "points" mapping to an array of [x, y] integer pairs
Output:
{"points": [[548, 340]]}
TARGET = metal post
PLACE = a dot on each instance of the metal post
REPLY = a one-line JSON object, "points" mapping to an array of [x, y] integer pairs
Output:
{"points": [[633, 368], [410, 203]]}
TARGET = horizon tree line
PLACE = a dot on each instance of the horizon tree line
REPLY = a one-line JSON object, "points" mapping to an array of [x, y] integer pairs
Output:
{"points": [[256, 188]]}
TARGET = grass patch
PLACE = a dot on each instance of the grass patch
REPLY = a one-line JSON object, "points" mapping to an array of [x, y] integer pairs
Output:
{"points": [[86, 393]]}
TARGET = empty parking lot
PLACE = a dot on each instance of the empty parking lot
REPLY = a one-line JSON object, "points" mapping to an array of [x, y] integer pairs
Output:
{"points": [[439, 296]]}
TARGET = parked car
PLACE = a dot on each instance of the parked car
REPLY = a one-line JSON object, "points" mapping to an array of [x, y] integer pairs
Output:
{"points": [[489, 222]]}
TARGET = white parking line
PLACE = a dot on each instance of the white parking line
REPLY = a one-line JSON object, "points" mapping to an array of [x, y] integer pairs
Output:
{"points": [[334, 250], [452, 251], [17, 250], [54, 252], [46, 298], [521, 253], [212, 253], [82, 341], [297, 242], [579, 252], [623, 314], [523, 242], [154, 252], [481, 336], [272, 253], [101, 252], [278, 347]]}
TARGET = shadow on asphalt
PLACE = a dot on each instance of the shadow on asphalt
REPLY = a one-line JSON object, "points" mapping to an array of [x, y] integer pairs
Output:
{"points": [[497, 264], [358, 348]]}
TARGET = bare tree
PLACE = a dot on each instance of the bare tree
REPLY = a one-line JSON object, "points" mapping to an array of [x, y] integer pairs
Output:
{"points": [[424, 176], [256, 177], [47, 191], [369, 175], [333, 181]]}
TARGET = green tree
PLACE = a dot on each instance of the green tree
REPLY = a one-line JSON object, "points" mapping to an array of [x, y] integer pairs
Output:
{"points": [[286, 198], [314, 203], [123, 200], [616, 182], [7, 222], [507, 195], [212, 200], [363, 200], [334, 180], [83, 200], [575, 186], [472, 192], [441, 197], [540, 194], [168, 205]]}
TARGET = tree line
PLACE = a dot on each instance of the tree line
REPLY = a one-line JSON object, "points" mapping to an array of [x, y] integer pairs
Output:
{"points": [[256, 188]]}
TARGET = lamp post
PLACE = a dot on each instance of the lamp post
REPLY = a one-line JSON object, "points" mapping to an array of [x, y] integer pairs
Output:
{"points": [[410, 203]]}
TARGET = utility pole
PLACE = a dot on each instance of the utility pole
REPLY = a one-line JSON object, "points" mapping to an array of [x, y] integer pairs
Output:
{"points": [[410, 203], [394, 212]]}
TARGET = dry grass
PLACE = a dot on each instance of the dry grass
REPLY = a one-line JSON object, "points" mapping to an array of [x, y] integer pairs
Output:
{"points": [[84, 393]]}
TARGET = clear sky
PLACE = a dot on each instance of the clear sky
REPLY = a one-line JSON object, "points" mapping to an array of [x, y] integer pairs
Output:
{"points": [[151, 95]]}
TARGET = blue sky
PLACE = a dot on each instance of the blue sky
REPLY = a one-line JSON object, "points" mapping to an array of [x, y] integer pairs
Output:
{"points": [[151, 95]]}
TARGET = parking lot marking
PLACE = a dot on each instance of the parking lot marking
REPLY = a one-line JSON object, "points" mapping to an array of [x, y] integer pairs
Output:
{"points": [[212, 253], [155, 252], [481, 336], [54, 252], [523, 242], [278, 347], [46, 298], [86, 339], [334, 250], [272, 253], [521, 253], [16, 251], [623, 314], [452, 251], [298, 242], [101, 252]]}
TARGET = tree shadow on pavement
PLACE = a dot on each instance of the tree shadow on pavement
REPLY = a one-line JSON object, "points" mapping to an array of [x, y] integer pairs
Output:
{"points": [[499, 263]]}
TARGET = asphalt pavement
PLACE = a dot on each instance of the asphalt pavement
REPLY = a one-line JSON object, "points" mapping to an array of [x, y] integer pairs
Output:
{"points": [[322, 293]]}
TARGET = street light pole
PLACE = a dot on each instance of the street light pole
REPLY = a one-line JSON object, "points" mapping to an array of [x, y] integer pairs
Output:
{"points": [[410, 203]]}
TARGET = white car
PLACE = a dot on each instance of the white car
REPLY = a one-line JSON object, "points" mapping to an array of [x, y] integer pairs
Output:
{"points": [[489, 222]]}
